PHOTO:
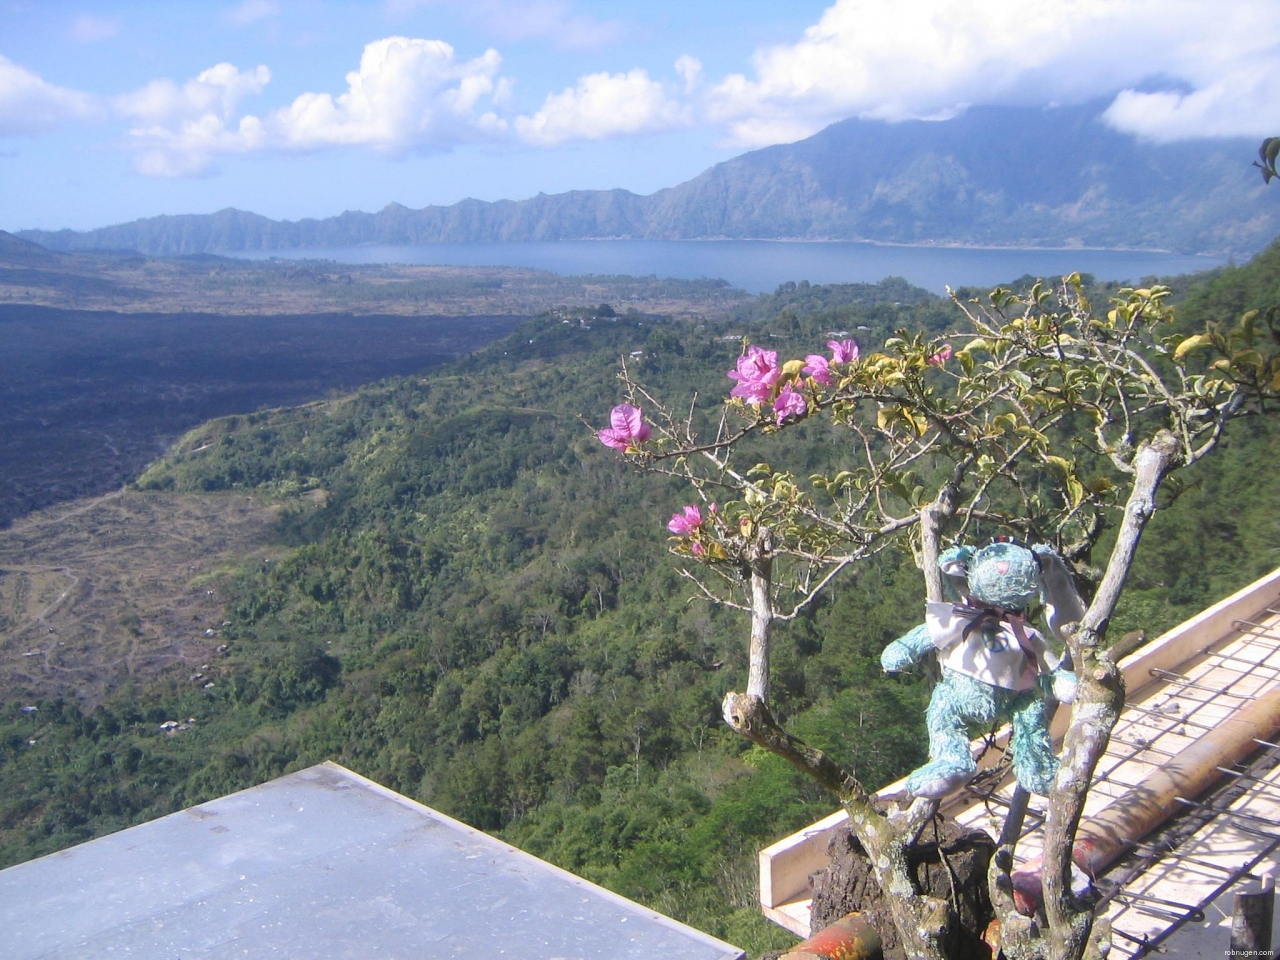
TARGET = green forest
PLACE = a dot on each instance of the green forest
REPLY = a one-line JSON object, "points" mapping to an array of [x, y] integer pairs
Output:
{"points": [[477, 608]]}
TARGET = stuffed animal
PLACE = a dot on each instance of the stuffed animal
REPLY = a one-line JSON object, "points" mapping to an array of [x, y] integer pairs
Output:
{"points": [[995, 666]]}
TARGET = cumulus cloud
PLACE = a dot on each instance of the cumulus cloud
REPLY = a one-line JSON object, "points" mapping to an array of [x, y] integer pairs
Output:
{"points": [[217, 91], [603, 105], [29, 105], [1230, 64], [407, 95], [690, 71], [1242, 104], [933, 58], [178, 130]]}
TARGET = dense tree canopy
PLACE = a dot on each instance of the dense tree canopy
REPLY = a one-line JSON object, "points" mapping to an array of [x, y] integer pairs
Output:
{"points": [[475, 606]]}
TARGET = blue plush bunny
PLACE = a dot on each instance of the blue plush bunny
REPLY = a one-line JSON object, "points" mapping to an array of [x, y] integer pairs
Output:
{"points": [[995, 666]]}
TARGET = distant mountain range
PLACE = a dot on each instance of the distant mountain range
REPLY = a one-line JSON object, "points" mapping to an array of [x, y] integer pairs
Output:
{"points": [[994, 176]]}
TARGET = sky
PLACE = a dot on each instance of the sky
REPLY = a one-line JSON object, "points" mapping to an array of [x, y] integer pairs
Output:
{"points": [[111, 111]]}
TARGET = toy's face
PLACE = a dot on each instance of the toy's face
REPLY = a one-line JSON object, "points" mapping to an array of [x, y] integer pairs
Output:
{"points": [[1004, 575]]}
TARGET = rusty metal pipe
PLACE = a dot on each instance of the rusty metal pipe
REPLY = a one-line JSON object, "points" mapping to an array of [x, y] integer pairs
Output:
{"points": [[849, 938], [1105, 836]]}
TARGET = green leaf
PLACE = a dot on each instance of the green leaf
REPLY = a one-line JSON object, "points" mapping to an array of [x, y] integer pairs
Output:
{"points": [[1075, 490], [1189, 344], [1060, 465]]}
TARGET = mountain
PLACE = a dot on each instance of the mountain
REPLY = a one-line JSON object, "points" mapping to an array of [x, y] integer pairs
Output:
{"points": [[994, 176], [15, 251]]}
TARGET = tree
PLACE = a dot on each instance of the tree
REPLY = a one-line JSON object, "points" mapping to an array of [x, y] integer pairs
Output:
{"points": [[1040, 419]]}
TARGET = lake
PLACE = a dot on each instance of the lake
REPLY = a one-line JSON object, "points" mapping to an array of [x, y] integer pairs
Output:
{"points": [[758, 266]]}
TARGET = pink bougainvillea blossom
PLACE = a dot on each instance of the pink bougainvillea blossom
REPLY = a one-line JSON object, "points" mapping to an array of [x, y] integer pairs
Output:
{"points": [[757, 373], [686, 521], [941, 357], [790, 404], [816, 366], [627, 428], [843, 351]]}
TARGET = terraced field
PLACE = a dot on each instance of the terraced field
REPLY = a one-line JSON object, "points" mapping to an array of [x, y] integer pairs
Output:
{"points": [[121, 587]]}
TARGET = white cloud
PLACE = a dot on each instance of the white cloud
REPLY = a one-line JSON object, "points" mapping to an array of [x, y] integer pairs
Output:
{"points": [[178, 130], [603, 105], [933, 58], [690, 71], [407, 95], [1242, 104], [1230, 64], [29, 105], [87, 28], [216, 91], [251, 11]]}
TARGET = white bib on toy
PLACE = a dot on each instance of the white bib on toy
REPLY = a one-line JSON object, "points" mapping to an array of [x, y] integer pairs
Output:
{"points": [[991, 652]]}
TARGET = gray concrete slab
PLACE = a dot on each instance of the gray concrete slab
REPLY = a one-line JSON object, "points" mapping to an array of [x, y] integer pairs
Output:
{"points": [[321, 863]]}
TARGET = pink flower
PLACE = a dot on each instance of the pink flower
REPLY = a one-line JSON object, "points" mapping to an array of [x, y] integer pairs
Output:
{"points": [[697, 549], [941, 357], [627, 429], [684, 523], [843, 351], [816, 366], [756, 373], [789, 404]]}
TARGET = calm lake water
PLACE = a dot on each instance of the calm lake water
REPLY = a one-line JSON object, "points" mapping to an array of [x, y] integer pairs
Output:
{"points": [[758, 266]]}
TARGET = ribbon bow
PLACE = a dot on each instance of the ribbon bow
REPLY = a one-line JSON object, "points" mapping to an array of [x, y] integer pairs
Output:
{"points": [[982, 615]]}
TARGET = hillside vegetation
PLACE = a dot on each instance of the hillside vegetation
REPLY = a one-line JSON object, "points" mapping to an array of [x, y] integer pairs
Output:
{"points": [[472, 604]]}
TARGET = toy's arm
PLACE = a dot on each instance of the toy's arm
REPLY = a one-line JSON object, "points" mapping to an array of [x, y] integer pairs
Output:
{"points": [[907, 650], [1062, 601], [1063, 686]]}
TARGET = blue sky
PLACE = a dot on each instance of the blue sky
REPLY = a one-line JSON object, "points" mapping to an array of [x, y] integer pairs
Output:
{"points": [[293, 108]]}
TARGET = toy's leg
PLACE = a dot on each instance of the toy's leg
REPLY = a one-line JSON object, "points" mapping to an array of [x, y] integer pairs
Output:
{"points": [[950, 763], [1034, 764]]}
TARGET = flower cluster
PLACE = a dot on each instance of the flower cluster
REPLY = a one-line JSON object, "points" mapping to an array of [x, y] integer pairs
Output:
{"points": [[762, 380], [757, 373], [790, 403], [687, 523], [843, 351], [627, 428]]}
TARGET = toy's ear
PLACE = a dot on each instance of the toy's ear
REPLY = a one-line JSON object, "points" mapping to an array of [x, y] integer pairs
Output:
{"points": [[954, 562], [1062, 601]]}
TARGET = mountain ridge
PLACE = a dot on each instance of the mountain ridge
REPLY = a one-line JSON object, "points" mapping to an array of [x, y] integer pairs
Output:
{"points": [[1014, 177]]}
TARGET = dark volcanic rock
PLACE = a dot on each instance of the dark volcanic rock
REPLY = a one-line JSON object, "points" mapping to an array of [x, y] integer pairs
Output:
{"points": [[959, 875]]}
